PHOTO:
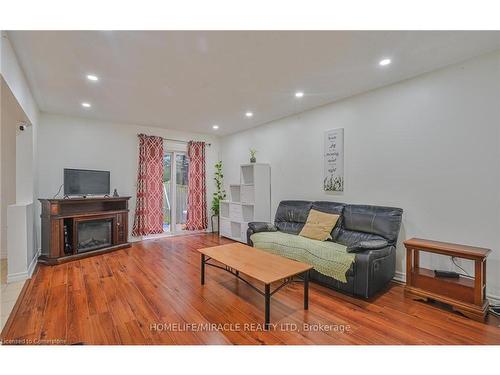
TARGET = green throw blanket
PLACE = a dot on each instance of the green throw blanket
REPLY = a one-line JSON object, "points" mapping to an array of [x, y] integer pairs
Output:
{"points": [[327, 257]]}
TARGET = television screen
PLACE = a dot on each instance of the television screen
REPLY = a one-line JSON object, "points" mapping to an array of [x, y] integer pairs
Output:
{"points": [[85, 182]]}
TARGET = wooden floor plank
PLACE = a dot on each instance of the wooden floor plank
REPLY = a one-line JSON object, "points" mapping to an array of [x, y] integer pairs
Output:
{"points": [[150, 293], [29, 318], [55, 318], [79, 323]]}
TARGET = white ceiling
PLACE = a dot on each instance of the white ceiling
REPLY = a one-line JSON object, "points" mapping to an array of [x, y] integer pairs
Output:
{"points": [[192, 80]]}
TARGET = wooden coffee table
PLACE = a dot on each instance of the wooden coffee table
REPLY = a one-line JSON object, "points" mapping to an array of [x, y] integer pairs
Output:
{"points": [[260, 265]]}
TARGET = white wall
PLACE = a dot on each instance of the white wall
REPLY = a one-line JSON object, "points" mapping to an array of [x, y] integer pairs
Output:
{"points": [[69, 142], [9, 111], [14, 76], [17, 160], [429, 145], [26, 151]]}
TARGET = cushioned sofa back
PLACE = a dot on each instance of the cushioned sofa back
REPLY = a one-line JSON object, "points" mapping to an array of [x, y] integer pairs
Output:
{"points": [[362, 222], [356, 223], [329, 207], [291, 216]]}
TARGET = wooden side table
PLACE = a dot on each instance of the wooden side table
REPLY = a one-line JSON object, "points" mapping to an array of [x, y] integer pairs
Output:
{"points": [[464, 294]]}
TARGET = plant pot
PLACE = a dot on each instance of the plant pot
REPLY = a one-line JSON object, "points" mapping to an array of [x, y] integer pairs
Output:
{"points": [[216, 221], [253, 160]]}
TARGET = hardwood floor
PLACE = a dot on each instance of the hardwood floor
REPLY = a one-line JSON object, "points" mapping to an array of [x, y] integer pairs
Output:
{"points": [[130, 296]]}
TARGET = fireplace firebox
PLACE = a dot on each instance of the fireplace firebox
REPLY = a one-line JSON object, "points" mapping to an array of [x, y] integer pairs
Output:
{"points": [[94, 234]]}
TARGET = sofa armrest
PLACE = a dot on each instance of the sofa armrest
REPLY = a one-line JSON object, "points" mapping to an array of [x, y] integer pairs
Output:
{"points": [[367, 245], [374, 269], [258, 226]]}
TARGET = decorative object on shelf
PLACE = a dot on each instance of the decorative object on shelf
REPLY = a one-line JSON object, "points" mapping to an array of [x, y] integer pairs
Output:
{"points": [[253, 159], [334, 160], [67, 246], [115, 193], [219, 193]]}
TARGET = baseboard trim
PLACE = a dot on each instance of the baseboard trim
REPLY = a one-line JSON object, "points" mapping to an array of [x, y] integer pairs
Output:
{"points": [[21, 276], [400, 277], [494, 299], [33, 263]]}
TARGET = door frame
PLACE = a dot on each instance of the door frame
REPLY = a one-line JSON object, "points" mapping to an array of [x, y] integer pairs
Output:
{"points": [[173, 149]]}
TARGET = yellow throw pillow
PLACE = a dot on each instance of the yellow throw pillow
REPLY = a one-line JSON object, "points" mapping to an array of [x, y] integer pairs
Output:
{"points": [[319, 225]]}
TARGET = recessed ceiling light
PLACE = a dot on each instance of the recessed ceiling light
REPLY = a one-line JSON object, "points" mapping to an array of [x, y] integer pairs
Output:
{"points": [[86, 105], [249, 114], [384, 62], [215, 127], [92, 77], [299, 94]]}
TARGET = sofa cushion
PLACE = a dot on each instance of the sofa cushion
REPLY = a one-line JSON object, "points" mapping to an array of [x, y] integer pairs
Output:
{"points": [[291, 216], [331, 208], [319, 225], [376, 220], [329, 258]]}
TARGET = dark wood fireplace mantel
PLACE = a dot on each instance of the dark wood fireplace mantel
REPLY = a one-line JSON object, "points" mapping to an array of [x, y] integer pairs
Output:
{"points": [[60, 226]]}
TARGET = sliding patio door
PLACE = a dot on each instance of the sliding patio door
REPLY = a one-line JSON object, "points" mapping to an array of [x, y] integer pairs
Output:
{"points": [[175, 184]]}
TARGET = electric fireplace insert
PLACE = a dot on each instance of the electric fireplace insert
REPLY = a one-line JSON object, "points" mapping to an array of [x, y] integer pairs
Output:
{"points": [[94, 234]]}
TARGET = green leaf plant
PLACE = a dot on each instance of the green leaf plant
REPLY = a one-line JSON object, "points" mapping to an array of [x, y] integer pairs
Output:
{"points": [[220, 193]]}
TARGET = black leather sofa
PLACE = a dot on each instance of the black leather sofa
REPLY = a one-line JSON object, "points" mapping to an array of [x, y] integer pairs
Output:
{"points": [[369, 231]]}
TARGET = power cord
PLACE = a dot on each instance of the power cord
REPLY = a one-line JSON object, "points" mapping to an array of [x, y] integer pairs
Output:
{"points": [[58, 191], [494, 310], [465, 274]]}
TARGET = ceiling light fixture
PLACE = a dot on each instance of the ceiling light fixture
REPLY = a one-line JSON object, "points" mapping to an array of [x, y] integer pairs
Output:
{"points": [[384, 62], [86, 105], [92, 77], [299, 94], [249, 114], [215, 127]]}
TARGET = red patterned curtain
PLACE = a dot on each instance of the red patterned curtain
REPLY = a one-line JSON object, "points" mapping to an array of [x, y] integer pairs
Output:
{"points": [[149, 205], [196, 202]]}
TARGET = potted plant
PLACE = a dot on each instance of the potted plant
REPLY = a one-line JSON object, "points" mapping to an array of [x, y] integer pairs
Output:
{"points": [[252, 155], [219, 194]]}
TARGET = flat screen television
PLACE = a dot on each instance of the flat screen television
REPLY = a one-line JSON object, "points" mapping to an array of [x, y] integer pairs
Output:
{"points": [[85, 182]]}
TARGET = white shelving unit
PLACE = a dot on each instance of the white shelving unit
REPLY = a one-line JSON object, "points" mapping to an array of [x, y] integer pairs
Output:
{"points": [[248, 201]]}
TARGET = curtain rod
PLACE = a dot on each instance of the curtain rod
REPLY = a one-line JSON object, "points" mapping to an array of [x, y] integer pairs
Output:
{"points": [[180, 141]]}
